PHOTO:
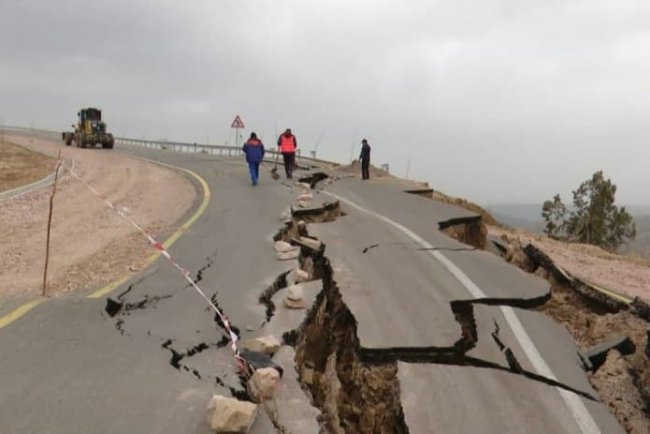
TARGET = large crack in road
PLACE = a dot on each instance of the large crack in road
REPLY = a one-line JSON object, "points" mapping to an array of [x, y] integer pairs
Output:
{"points": [[120, 308], [356, 388]]}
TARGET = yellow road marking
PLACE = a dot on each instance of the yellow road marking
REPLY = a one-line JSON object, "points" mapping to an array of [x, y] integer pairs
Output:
{"points": [[18, 312], [23, 309], [610, 293]]}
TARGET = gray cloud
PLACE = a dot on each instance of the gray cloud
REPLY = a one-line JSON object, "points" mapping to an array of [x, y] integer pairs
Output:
{"points": [[492, 100]]}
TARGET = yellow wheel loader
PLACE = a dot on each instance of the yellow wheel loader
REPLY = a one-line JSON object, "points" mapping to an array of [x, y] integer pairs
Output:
{"points": [[89, 131]]}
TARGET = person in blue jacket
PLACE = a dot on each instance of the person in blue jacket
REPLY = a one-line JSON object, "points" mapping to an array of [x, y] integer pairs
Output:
{"points": [[254, 150]]}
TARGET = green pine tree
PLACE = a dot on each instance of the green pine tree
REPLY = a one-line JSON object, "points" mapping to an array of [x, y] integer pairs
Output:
{"points": [[594, 219]]}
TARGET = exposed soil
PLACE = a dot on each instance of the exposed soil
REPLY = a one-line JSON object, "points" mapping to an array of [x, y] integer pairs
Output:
{"points": [[354, 396], [622, 381], [623, 274], [470, 231], [20, 166], [486, 217], [90, 244]]}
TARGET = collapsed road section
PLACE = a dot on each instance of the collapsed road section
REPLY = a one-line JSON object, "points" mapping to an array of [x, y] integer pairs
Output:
{"points": [[361, 388], [612, 336]]}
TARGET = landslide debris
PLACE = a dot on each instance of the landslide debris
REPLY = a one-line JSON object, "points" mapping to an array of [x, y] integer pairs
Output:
{"points": [[622, 381]]}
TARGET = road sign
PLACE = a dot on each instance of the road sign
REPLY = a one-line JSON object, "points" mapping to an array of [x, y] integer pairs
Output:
{"points": [[237, 123]]}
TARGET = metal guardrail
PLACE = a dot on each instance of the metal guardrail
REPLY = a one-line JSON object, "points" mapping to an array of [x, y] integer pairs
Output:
{"points": [[230, 151]]}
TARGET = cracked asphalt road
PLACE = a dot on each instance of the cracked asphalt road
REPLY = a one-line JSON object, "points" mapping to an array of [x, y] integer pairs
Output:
{"points": [[69, 367]]}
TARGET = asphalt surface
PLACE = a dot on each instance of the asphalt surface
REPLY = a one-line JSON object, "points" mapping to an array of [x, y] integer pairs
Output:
{"points": [[69, 367]]}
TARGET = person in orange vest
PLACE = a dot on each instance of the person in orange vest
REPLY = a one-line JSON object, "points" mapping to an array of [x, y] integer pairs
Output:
{"points": [[254, 150], [287, 143]]}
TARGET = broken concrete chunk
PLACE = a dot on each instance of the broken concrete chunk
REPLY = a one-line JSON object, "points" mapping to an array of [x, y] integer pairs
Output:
{"points": [[286, 215], [311, 243], [306, 197], [295, 292], [297, 276], [304, 185], [286, 256], [294, 304], [263, 384], [228, 415], [283, 246], [303, 203], [266, 344], [302, 225]]}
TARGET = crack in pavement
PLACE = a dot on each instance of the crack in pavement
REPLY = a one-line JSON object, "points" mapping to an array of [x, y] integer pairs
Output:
{"points": [[199, 274], [124, 308], [420, 249], [178, 356], [266, 298], [513, 363], [328, 353], [314, 179]]}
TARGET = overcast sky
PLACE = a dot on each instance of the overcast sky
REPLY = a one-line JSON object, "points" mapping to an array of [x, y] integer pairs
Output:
{"points": [[493, 100]]}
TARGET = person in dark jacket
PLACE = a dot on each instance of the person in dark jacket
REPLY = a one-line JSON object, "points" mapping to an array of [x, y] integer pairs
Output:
{"points": [[365, 159], [254, 150], [288, 144]]}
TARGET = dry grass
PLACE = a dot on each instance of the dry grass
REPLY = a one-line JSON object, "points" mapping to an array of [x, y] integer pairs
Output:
{"points": [[20, 166]]}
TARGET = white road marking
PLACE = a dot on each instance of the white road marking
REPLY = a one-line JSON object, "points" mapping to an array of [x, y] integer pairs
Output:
{"points": [[581, 415]]}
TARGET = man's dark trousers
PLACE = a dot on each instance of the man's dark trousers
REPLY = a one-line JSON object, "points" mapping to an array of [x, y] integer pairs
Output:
{"points": [[289, 162], [365, 168]]}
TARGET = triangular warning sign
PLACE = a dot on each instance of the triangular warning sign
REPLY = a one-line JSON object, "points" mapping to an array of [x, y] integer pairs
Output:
{"points": [[237, 123]]}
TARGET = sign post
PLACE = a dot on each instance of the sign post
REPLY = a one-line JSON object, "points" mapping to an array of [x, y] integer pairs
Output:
{"points": [[237, 124]]}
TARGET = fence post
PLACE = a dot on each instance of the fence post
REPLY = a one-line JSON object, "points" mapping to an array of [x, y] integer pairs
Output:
{"points": [[49, 225]]}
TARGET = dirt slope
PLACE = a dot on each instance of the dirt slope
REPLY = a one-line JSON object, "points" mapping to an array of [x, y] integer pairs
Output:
{"points": [[624, 274], [20, 166], [90, 245]]}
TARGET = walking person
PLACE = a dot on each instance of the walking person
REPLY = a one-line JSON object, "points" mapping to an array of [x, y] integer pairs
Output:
{"points": [[365, 159], [287, 143], [254, 150]]}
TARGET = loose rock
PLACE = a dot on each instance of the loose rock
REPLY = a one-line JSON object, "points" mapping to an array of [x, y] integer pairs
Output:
{"points": [[283, 246], [286, 256], [311, 243], [294, 304], [297, 276], [266, 344], [228, 415], [295, 293], [306, 197], [263, 384]]}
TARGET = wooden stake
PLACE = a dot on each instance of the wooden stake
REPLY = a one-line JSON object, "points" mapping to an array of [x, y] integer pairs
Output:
{"points": [[49, 225]]}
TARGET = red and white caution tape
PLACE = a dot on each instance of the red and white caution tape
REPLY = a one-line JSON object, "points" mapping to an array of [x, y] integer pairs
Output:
{"points": [[161, 248]]}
